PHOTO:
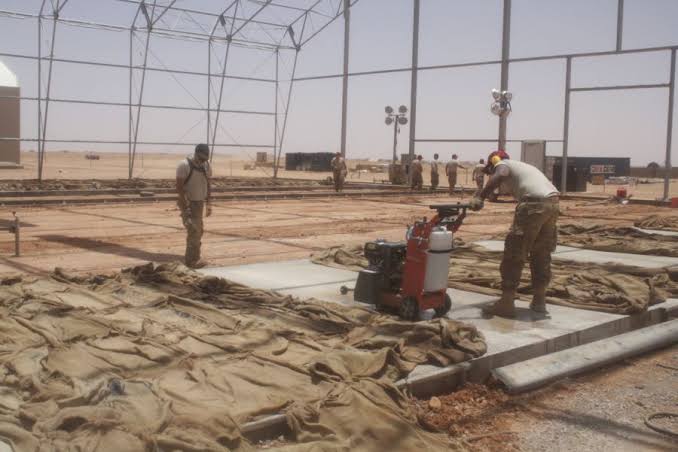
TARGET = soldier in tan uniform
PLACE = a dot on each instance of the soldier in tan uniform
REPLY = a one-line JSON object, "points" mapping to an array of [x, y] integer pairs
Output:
{"points": [[339, 171], [435, 177], [417, 173], [451, 171], [479, 175], [533, 234], [193, 188]]}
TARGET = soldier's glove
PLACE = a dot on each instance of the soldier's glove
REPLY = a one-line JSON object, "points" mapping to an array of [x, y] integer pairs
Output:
{"points": [[476, 204]]}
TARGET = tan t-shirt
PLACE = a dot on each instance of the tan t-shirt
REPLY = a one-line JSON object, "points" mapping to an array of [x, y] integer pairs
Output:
{"points": [[452, 167], [196, 187], [523, 179], [434, 167], [416, 167], [478, 171]]}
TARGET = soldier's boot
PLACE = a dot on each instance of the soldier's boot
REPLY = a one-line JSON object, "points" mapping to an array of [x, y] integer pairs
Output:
{"points": [[504, 307], [538, 303]]}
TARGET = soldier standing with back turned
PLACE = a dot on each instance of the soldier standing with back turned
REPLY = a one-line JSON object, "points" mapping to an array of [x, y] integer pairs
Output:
{"points": [[435, 177], [339, 171]]}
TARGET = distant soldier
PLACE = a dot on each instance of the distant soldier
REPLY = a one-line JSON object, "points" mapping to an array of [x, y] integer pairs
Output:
{"points": [[339, 171], [451, 171], [417, 174], [435, 178], [479, 175], [193, 188]]}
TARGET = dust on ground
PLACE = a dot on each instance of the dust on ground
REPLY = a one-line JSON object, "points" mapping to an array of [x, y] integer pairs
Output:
{"points": [[599, 411]]}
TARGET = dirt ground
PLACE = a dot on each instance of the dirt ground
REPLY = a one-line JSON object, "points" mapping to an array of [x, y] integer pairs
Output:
{"points": [[600, 411], [73, 165], [103, 238]]}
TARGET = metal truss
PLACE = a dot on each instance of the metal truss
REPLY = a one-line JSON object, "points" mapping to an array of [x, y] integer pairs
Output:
{"points": [[274, 26], [284, 27]]}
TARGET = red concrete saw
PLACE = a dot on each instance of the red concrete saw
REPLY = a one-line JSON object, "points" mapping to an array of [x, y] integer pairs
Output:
{"points": [[411, 276]]}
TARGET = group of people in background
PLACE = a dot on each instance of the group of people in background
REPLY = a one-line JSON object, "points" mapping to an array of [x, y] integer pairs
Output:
{"points": [[451, 171]]}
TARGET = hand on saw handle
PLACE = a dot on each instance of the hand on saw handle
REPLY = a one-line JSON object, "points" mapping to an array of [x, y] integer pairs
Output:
{"points": [[476, 203]]}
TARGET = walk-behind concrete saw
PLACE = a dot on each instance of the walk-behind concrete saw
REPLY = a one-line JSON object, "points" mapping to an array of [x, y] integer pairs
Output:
{"points": [[411, 276]]}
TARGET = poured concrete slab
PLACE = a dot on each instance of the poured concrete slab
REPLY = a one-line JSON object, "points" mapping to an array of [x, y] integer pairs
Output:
{"points": [[596, 257], [281, 276], [508, 340]]}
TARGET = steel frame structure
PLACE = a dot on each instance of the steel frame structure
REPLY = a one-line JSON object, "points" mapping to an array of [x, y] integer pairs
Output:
{"points": [[504, 64], [232, 26]]}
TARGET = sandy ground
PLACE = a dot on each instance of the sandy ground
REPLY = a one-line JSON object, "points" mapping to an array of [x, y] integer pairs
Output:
{"points": [[597, 412], [103, 238]]}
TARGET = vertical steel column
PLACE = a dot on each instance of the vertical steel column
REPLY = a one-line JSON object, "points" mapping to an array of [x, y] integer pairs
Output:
{"points": [[275, 119], [620, 23], [229, 39], [40, 90], [276, 162], [344, 86], [141, 98], [505, 55], [41, 154], [566, 125], [669, 125], [209, 87], [131, 117], [414, 78], [289, 93]]}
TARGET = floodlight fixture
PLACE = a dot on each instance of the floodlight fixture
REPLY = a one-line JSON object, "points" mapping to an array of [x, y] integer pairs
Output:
{"points": [[402, 120], [496, 95], [495, 109], [402, 109], [389, 120], [507, 95], [388, 110]]}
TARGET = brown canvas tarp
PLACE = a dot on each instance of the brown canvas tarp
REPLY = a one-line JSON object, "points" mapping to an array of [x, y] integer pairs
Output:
{"points": [[617, 239], [658, 222], [159, 358], [599, 287]]}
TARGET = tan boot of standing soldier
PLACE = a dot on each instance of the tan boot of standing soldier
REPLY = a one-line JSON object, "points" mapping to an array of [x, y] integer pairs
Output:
{"points": [[504, 307], [538, 303]]}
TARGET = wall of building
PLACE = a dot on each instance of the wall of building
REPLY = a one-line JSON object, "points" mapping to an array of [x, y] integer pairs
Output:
{"points": [[10, 124], [653, 173]]}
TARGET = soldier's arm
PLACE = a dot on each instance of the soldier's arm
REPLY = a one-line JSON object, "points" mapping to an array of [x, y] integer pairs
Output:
{"points": [[181, 200], [208, 172], [495, 181]]}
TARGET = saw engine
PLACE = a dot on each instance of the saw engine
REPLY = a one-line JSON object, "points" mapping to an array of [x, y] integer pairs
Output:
{"points": [[411, 276]]}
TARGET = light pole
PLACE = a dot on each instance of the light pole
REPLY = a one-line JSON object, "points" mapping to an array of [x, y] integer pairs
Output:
{"points": [[397, 119], [502, 108]]}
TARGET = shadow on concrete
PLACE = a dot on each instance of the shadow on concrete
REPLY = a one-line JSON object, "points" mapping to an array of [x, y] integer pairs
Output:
{"points": [[99, 246]]}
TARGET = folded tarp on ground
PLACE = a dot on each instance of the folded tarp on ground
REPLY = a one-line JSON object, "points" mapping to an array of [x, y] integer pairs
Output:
{"points": [[160, 358], [658, 222], [617, 239]]}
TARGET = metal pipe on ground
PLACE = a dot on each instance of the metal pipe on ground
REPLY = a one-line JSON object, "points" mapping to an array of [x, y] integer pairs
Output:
{"points": [[527, 375]]}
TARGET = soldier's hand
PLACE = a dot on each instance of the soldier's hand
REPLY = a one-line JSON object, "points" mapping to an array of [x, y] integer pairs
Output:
{"points": [[208, 210], [476, 204]]}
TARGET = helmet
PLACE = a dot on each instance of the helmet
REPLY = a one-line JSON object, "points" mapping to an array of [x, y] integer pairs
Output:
{"points": [[494, 158]]}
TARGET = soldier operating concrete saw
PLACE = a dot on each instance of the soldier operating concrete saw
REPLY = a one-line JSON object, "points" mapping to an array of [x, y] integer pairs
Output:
{"points": [[533, 233]]}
